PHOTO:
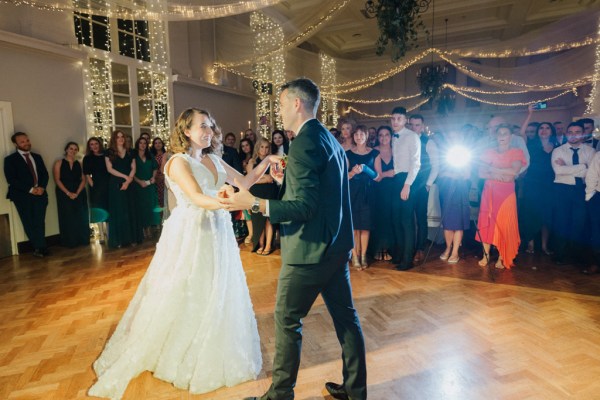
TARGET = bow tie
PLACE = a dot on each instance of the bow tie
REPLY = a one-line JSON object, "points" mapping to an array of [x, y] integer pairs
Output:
{"points": [[395, 135]]}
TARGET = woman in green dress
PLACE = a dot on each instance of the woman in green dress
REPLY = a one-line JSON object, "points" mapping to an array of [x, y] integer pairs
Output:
{"points": [[122, 226], [71, 199], [146, 194]]}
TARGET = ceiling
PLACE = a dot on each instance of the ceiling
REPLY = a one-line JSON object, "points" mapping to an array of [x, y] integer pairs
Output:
{"points": [[349, 35]]}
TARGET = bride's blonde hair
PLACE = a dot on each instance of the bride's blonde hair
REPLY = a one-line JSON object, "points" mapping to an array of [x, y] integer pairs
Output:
{"points": [[180, 143]]}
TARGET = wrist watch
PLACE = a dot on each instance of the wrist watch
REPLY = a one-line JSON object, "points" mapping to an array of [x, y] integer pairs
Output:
{"points": [[255, 206]]}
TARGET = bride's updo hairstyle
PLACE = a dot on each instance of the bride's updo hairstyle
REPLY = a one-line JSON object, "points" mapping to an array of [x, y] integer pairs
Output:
{"points": [[180, 143]]}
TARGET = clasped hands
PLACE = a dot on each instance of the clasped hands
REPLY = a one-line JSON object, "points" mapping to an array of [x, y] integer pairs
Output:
{"points": [[243, 199]]}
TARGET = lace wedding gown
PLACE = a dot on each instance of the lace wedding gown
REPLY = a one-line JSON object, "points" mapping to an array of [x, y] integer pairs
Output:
{"points": [[191, 320]]}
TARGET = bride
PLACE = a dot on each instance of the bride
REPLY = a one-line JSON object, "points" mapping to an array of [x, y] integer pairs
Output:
{"points": [[191, 320]]}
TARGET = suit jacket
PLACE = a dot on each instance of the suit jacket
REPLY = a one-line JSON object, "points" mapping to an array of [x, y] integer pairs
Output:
{"points": [[232, 158], [314, 212], [20, 180]]}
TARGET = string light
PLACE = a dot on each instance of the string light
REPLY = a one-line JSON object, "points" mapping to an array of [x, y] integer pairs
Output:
{"points": [[469, 96], [578, 82], [524, 52], [301, 37], [269, 73], [592, 106], [329, 103], [127, 10], [378, 101], [382, 116]]}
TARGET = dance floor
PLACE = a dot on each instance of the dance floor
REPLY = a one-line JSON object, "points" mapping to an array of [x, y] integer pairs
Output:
{"points": [[435, 332]]}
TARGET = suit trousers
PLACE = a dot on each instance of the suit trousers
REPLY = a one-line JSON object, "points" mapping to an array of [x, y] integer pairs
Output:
{"points": [[32, 211], [594, 216], [570, 221], [297, 290], [403, 222]]}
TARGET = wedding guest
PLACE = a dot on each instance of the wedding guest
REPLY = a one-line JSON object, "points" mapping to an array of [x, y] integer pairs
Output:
{"points": [[516, 141], [560, 133], [427, 175], [361, 172], [498, 223], [592, 188], [264, 188], [146, 195], [536, 209], [97, 177], [382, 234], [454, 185], [120, 164], [280, 145], [347, 127], [250, 135], [372, 137], [407, 162], [291, 135], [230, 154], [27, 178], [588, 132], [159, 153], [570, 163], [71, 199], [146, 136], [245, 152]]}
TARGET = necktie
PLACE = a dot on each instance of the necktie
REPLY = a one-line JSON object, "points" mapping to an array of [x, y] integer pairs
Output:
{"points": [[578, 181], [31, 169]]}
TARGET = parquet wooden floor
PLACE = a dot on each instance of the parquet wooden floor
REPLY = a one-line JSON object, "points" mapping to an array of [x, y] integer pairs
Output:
{"points": [[435, 332]]}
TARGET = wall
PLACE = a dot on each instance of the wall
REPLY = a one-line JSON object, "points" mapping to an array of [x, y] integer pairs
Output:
{"points": [[231, 110]]}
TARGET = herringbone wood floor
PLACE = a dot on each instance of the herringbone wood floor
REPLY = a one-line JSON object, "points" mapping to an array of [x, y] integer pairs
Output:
{"points": [[436, 332]]}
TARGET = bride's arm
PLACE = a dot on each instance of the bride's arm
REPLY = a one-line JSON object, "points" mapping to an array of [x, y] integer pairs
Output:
{"points": [[253, 175], [180, 172]]}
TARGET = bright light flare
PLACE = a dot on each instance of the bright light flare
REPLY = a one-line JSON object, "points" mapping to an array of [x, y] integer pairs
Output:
{"points": [[458, 156]]}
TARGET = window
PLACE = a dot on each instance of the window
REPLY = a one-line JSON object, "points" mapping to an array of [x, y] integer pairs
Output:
{"points": [[92, 30], [134, 39], [152, 102]]}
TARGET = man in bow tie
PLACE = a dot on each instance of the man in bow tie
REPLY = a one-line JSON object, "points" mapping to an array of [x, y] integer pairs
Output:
{"points": [[27, 178], [406, 149]]}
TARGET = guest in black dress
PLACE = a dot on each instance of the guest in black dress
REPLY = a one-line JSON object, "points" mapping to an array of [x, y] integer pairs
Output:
{"points": [[94, 169], [265, 188], [245, 152], [454, 184], [122, 226], [281, 144], [71, 199], [382, 234], [361, 172], [537, 207]]}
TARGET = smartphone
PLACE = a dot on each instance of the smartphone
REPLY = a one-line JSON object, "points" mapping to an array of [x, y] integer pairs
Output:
{"points": [[540, 106]]}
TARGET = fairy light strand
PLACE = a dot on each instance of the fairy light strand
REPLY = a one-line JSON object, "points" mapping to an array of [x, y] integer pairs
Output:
{"points": [[363, 113], [329, 102], [592, 105]]}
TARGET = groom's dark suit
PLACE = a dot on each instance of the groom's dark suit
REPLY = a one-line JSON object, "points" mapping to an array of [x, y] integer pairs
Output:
{"points": [[316, 239], [31, 208]]}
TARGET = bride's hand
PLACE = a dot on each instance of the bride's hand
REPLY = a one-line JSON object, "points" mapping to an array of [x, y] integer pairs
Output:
{"points": [[225, 191]]}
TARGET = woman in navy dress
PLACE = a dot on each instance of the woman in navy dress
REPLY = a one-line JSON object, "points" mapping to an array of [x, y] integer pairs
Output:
{"points": [[71, 199], [361, 172]]}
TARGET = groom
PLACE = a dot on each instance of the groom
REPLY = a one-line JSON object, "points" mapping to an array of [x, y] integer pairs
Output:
{"points": [[316, 239]]}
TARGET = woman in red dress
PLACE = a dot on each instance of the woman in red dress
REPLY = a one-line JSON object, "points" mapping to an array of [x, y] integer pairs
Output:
{"points": [[497, 223]]}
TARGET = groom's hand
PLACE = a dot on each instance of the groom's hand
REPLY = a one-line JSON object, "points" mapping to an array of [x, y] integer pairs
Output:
{"points": [[241, 200], [225, 191]]}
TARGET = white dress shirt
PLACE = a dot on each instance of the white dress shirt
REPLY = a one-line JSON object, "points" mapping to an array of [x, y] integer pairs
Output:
{"points": [[407, 154], [566, 174], [592, 178]]}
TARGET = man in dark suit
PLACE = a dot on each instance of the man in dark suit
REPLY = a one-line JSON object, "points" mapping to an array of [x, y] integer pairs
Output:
{"points": [[27, 178], [316, 240]]}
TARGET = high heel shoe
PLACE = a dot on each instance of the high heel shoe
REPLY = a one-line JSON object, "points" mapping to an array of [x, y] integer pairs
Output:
{"points": [[355, 262], [484, 261], [363, 261]]}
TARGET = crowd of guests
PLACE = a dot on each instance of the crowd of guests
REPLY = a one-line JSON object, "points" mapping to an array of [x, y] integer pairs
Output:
{"points": [[121, 186], [529, 188]]}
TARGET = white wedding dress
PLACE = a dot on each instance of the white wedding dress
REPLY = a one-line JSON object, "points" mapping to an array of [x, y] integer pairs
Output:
{"points": [[191, 320]]}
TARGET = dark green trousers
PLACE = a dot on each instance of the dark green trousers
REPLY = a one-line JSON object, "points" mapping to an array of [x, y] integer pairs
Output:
{"points": [[297, 290]]}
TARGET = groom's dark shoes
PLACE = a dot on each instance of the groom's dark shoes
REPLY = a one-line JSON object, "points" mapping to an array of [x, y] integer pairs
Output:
{"points": [[337, 391], [263, 397]]}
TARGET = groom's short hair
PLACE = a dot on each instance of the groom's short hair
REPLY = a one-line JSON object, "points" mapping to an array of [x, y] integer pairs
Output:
{"points": [[306, 90]]}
